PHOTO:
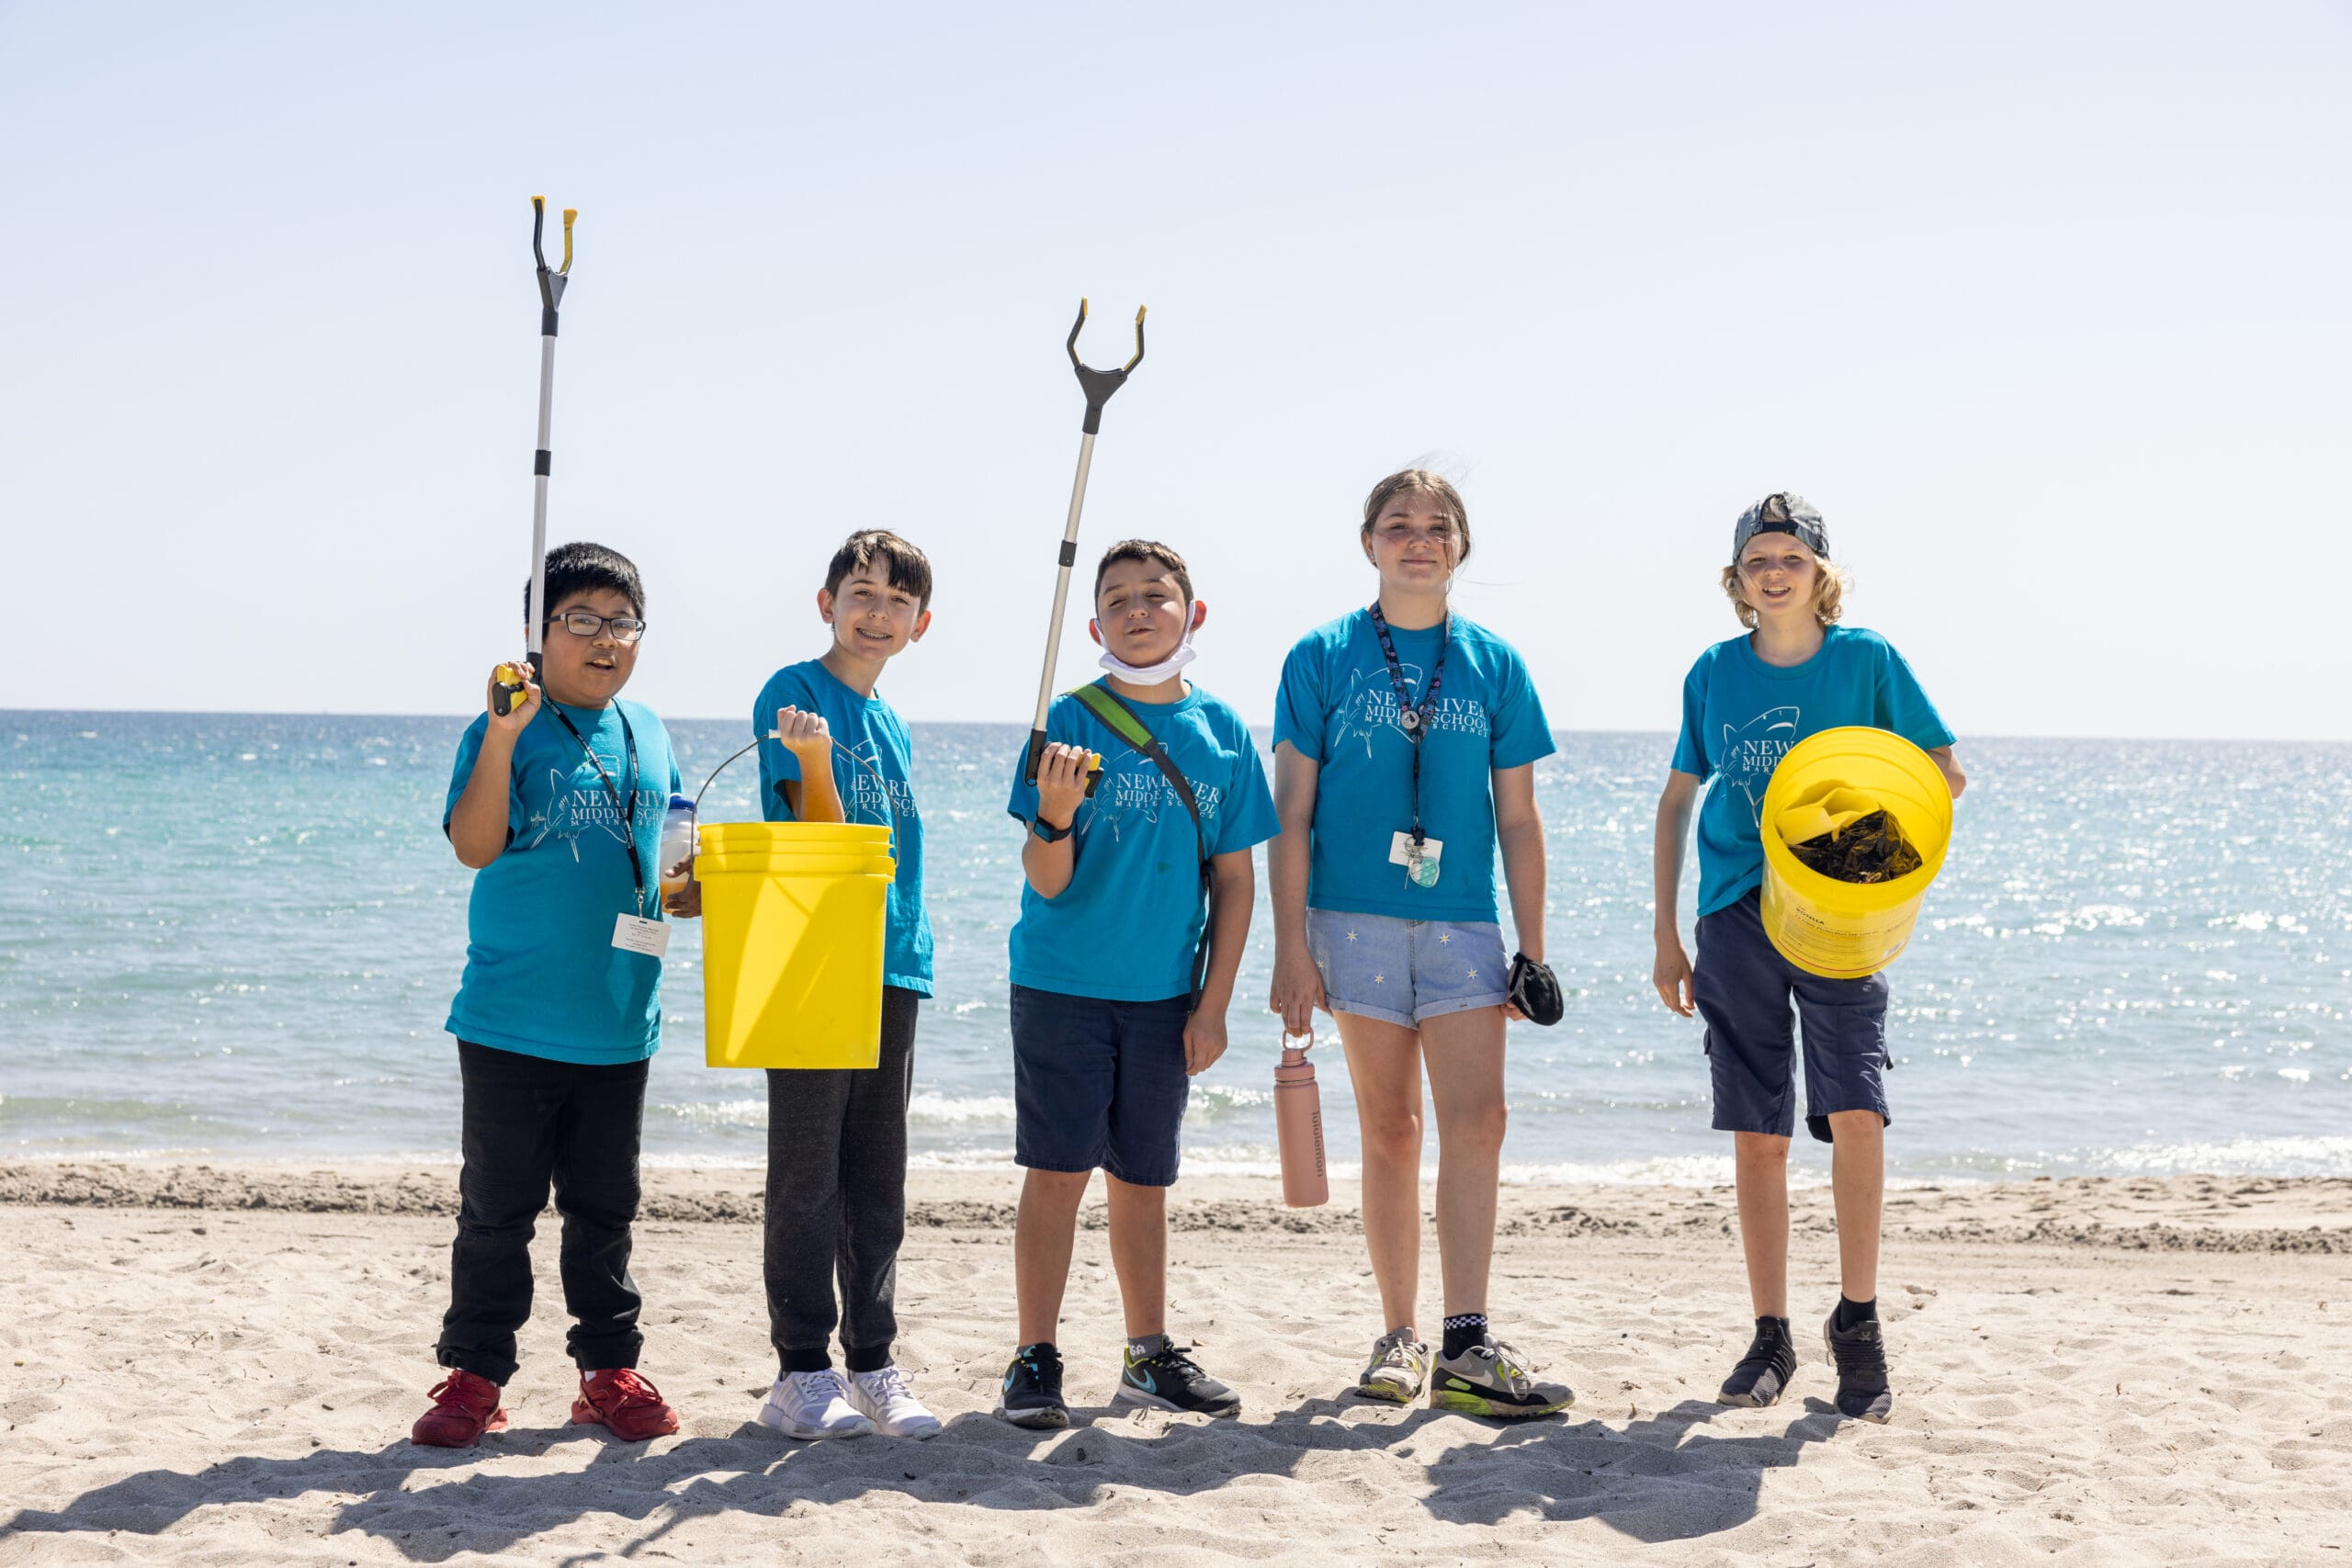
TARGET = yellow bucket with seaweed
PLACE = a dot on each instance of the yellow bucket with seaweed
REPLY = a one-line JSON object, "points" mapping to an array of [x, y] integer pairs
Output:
{"points": [[793, 916], [1826, 785]]}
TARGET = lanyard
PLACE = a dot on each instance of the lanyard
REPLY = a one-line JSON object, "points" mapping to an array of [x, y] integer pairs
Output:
{"points": [[1414, 716], [627, 808]]}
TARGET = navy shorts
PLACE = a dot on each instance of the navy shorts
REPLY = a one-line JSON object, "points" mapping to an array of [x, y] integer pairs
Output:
{"points": [[1099, 1083], [1743, 987]]}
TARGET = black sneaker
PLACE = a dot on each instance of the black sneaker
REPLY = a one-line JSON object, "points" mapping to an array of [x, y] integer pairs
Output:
{"points": [[1032, 1396], [1762, 1375], [1860, 1355], [1170, 1379]]}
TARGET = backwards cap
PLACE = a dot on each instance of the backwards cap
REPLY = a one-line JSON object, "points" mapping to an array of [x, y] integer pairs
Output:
{"points": [[1783, 512]]}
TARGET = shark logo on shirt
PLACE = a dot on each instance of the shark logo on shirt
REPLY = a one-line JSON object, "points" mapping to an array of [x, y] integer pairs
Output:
{"points": [[867, 795], [1129, 795], [1372, 710], [577, 804], [1751, 751]]}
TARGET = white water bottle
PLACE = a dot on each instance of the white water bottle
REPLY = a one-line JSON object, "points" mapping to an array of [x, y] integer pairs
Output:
{"points": [[678, 845]]}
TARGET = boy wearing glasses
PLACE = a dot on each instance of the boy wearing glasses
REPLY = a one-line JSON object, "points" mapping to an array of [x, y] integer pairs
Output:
{"points": [[558, 805], [837, 1137]]}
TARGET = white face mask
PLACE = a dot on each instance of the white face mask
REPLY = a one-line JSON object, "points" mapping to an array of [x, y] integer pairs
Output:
{"points": [[1156, 673]]}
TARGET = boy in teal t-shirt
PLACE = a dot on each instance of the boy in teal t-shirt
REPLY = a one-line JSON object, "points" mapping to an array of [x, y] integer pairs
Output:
{"points": [[1113, 1012], [837, 1137], [557, 806], [1744, 703]]}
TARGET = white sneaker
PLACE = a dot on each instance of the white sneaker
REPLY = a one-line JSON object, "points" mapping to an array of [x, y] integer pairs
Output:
{"points": [[883, 1397], [813, 1405]]}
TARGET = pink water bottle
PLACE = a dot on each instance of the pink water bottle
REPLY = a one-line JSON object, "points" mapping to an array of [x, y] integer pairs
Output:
{"points": [[1298, 1126]]}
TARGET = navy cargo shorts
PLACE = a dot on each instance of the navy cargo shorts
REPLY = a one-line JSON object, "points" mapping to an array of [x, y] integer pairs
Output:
{"points": [[1743, 987]]}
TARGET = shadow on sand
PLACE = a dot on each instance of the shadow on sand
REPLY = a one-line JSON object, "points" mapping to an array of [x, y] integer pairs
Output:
{"points": [[1659, 1478]]}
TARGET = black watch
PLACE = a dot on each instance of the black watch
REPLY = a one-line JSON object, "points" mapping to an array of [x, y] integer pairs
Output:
{"points": [[1048, 831]]}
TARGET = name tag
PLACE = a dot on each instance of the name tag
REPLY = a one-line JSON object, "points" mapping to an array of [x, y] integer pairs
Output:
{"points": [[634, 933], [1419, 861]]}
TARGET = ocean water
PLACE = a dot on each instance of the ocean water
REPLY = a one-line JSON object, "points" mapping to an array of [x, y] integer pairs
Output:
{"points": [[237, 935]]}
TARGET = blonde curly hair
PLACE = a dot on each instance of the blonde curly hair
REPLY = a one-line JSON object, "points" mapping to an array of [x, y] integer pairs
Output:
{"points": [[1831, 581]]}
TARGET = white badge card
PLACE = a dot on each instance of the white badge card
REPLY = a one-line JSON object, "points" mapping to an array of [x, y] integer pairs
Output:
{"points": [[635, 933], [1419, 861]]}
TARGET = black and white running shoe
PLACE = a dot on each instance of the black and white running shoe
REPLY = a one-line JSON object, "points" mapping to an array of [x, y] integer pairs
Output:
{"points": [[1762, 1375], [1170, 1379], [1032, 1395], [1860, 1355]]}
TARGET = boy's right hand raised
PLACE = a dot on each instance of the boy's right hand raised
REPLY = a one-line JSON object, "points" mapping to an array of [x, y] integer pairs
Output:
{"points": [[527, 707], [1061, 783]]}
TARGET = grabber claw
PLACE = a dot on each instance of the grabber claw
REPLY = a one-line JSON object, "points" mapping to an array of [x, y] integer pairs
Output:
{"points": [[1099, 384], [551, 280]]}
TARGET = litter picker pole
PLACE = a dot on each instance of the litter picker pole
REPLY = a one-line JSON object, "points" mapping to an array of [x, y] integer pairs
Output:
{"points": [[1098, 385], [551, 296]]}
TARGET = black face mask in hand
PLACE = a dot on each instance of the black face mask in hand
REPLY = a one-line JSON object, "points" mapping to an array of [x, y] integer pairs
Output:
{"points": [[1534, 990]]}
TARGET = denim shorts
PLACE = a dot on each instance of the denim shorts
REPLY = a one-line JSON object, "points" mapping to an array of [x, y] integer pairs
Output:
{"points": [[1743, 987], [1404, 971], [1099, 1083]]}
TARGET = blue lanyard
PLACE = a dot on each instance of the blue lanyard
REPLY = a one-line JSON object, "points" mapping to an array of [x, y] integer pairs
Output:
{"points": [[1413, 717]]}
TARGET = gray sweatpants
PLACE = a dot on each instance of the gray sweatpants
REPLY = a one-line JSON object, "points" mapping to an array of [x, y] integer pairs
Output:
{"points": [[837, 1199]]}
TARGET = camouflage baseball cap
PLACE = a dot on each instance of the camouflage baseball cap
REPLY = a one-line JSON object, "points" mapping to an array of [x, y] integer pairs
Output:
{"points": [[1783, 512]]}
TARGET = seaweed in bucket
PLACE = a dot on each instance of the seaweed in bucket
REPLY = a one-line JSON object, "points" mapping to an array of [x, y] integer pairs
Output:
{"points": [[1871, 848]]}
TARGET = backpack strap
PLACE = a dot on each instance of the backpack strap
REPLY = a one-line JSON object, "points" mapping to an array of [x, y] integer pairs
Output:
{"points": [[1128, 725]]}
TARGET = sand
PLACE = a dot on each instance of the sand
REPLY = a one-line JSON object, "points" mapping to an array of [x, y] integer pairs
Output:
{"points": [[220, 1364]]}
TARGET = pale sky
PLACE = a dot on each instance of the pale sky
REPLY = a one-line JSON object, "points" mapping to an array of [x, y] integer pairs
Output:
{"points": [[2049, 309]]}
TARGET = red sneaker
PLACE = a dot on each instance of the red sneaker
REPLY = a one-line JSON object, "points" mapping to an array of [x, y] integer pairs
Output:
{"points": [[464, 1407], [625, 1405]]}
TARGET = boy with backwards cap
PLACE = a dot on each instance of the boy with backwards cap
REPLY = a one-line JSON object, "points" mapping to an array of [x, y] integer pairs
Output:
{"points": [[1797, 672]]}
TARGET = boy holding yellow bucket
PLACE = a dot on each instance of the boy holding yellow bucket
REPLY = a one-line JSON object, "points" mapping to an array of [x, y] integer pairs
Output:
{"points": [[1115, 1001], [1746, 704], [837, 1136]]}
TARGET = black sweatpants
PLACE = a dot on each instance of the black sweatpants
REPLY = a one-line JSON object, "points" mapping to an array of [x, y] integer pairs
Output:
{"points": [[837, 1199], [528, 1123]]}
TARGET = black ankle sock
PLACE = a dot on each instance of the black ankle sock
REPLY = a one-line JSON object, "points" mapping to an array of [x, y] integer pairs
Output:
{"points": [[1852, 1312], [870, 1359], [1045, 1346], [1464, 1330], [1778, 1325], [793, 1361]]}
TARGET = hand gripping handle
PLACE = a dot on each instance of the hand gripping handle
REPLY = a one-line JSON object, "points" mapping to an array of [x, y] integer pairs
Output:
{"points": [[1099, 384]]}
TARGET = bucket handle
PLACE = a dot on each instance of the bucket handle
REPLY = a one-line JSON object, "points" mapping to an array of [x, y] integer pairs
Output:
{"points": [[891, 825]]}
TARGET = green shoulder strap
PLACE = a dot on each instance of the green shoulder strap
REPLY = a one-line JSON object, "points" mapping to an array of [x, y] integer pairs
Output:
{"points": [[1128, 725]]}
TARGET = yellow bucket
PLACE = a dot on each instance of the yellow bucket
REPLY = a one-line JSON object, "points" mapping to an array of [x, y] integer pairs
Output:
{"points": [[792, 917], [1843, 930]]}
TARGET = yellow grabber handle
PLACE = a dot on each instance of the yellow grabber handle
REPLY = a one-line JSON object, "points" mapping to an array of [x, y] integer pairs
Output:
{"points": [[1099, 384]]}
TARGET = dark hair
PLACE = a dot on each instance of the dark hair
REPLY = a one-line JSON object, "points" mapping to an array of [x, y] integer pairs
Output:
{"points": [[907, 566], [1417, 481], [581, 567], [1151, 551]]}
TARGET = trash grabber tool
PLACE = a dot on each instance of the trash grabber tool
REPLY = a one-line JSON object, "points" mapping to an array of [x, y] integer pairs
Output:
{"points": [[1098, 385], [509, 678]]}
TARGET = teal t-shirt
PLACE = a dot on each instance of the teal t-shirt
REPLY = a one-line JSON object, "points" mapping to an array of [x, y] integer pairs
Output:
{"points": [[1740, 716], [877, 741], [1337, 707], [542, 975], [1127, 928]]}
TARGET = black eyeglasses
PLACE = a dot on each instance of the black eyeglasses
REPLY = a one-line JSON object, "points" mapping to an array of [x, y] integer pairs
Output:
{"points": [[587, 623]]}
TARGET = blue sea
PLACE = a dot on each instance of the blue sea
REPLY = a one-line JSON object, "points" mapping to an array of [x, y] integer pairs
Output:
{"points": [[237, 935]]}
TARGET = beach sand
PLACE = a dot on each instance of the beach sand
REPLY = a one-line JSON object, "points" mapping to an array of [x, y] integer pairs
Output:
{"points": [[219, 1365]]}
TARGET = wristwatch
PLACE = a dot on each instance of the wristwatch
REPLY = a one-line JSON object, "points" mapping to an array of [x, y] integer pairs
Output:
{"points": [[1048, 831]]}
